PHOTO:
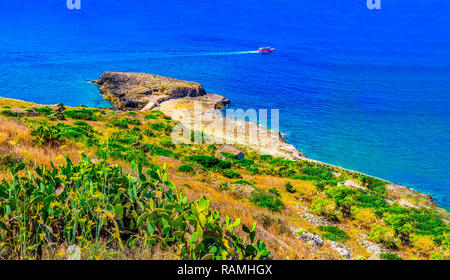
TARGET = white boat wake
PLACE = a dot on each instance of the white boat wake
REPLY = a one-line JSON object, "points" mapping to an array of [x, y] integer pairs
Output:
{"points": [[214, 53], [129, 56]]}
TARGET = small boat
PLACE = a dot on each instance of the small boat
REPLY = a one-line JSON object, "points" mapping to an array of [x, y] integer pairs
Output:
{"points": [[266, 50]]}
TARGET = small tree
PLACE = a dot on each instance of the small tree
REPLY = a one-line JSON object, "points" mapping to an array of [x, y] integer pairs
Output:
{"points": [[384, 235], [325, 207], [402, 225], [289, 188], [343, 196]]}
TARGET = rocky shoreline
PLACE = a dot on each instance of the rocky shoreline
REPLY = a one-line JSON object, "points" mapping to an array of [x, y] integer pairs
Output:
{"points": [[140, 91]]}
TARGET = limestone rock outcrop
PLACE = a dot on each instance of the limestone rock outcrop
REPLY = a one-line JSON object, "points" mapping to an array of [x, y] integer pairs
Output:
{"points": [[134, 91]]}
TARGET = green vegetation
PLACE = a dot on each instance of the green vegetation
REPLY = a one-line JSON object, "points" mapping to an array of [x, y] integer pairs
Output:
{"points": [[210, 162], [320, 185], [384, 235], [87, 203], [243, 182], [9, 113], [45, 133], [224, 187], [108, 136], [334, 233], [390, 256], [289, 188], [186, 168], [44, 110], [163, 127], [125, 122], [166, 143], [230, 173], [264, 199], [274, 191], [326, 208], [83, 114]]}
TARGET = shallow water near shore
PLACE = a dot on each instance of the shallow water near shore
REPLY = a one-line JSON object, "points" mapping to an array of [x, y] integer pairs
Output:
{"points": [[366, 90]]}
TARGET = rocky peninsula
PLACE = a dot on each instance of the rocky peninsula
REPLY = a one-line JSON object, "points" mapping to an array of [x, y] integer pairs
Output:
{"points": [[140, 91]]}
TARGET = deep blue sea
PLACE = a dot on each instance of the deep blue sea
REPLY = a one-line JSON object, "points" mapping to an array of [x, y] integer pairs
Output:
{"points": [[364, 89]]}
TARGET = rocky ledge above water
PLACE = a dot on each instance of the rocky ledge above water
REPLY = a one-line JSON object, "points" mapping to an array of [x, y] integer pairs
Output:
{"points": [[134, 91]]}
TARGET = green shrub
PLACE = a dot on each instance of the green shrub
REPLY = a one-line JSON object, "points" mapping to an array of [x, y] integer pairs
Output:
{"points": [[149, 133], [344, 198], [115, 150], [229, 156], [44, 110], [428, 223], [158, 126], [224, 186], [402, 224], [44, 134], [186, 168], [239, 182], [81, 123], [245, 162], [266, 157], [326, 208], [334, 233], [166, 143], [318, 172], [156, 150], [82, 114], [253, 169], [390, 256], [230, 173], [71, 132], [60, 117], [373, 184], [368, 200], [274, 191], [163, 127], [210, 162], [132, 121], [9, 113], [263, 199], [123, 123], [320, 185], [383, 235], [280, 162], [120, 124], [150, 117], [289, 188]]}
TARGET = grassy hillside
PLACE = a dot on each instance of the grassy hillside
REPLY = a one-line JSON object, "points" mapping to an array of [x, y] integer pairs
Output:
{"points": [[115, 185]]}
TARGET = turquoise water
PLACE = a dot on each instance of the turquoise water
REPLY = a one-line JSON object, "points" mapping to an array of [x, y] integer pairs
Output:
{"points": [[367, 90]]}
